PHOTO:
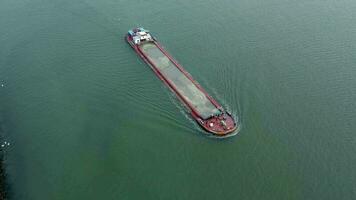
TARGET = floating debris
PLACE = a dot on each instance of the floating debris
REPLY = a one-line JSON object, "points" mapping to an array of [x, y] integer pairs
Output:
{"points": [[5, 144]]}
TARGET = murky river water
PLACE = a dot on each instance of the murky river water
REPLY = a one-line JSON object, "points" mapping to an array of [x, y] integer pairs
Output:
{"points": [[88, 119]]}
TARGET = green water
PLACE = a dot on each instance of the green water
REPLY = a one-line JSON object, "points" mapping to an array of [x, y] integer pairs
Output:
{"points": [[88, 119]]}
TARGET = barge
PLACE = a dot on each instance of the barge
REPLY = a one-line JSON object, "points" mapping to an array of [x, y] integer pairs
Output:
{"points": [[206, 111]]}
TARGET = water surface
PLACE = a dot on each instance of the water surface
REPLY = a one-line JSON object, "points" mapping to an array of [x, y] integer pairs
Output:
{"points": [[88, 119]]}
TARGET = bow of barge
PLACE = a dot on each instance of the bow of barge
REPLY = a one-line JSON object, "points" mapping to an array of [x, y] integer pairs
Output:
{"points": [[208, 113]]}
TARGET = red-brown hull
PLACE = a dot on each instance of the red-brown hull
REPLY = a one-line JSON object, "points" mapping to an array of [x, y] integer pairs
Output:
{"points": [[230, 125]]}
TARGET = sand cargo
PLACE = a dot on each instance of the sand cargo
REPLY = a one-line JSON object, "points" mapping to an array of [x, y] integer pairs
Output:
{"points": [[208, 113]]}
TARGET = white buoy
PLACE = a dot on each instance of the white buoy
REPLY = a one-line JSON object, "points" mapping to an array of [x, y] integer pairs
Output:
{"points": [[2, 145], [2, 85]]}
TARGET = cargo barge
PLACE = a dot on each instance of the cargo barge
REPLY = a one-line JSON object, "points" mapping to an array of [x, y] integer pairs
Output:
{"points": [[208, 113]]}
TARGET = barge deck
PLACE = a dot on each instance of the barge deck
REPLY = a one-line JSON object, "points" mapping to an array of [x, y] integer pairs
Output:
{"points": [[203, 108]]}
